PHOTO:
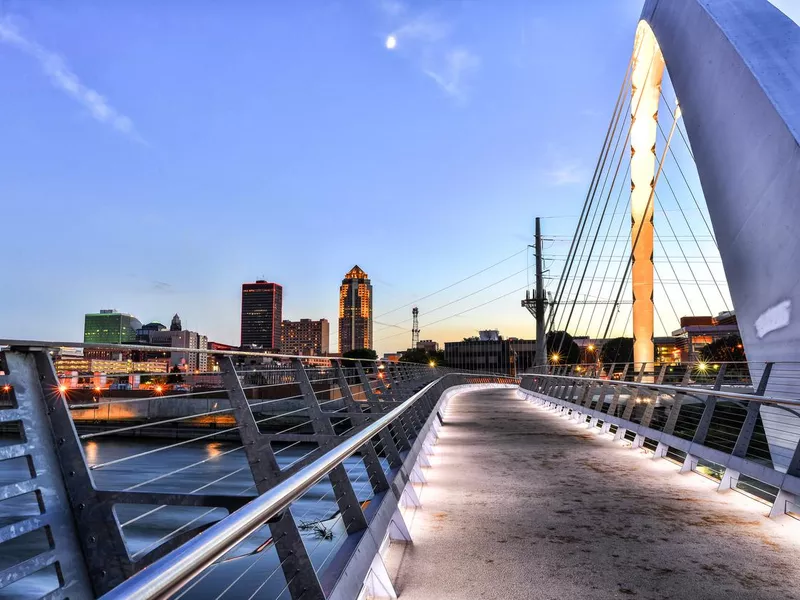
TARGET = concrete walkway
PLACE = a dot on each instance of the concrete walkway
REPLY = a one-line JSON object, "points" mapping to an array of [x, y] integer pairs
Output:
{"points": [[523, 504]]}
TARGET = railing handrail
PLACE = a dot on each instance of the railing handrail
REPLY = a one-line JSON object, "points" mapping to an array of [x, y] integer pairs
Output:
{"points": [[171, 572], [154, 348], [679, 389]]}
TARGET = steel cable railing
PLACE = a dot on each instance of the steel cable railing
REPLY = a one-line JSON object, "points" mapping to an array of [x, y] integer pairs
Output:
{"points": [[713, 421], [167, 460]]}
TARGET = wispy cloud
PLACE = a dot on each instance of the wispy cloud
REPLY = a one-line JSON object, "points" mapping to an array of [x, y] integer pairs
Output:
{"points": [[162, 287], [393, 8], [565, 174], [456, 64], [427, 40], [68, 82]]}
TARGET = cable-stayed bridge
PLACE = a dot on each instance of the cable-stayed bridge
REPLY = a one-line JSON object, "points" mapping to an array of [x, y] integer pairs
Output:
{"points": [[272, 476]]}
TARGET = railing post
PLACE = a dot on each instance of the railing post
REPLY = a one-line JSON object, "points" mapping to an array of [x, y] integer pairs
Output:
{"points": [[661, 373], [640, 376], [371, 460], [731, 476], [701, 431], [295, 562], [377, 406], [346, 499], [401, 427], [48, 440], [675, 409]]}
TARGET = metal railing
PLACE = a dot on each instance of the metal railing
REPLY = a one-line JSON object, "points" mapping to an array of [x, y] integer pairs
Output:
{"points": [[712, 421], [258, 474]]}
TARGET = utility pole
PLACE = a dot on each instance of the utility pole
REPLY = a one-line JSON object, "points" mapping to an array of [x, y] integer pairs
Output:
{"points": [[541, 300], [536, 306]]}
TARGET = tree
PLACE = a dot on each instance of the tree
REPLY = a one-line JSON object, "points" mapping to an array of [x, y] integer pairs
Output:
{"points": [[727, 349], [617, 351], [422, 357], [415, 355], [175, 378], [562, 349], [366, 353]]}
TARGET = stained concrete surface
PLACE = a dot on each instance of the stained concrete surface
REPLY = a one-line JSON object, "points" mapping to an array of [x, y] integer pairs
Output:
{"points": [[521, 503]]}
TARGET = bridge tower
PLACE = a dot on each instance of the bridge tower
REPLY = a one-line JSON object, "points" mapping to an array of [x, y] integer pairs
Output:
{"points": [[646, 75]]}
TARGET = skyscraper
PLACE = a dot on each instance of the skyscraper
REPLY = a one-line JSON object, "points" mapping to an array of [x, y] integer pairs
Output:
{"points": [[262, 312], [355, 311], [110, 327]]}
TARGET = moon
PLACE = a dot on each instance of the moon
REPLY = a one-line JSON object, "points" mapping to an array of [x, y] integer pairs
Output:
{"points": [[391, 42]]}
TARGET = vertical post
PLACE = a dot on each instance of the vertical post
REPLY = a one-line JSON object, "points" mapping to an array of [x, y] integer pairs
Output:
{"points": [[295, 562], [371, 460], [399, 426], [346, 499], [540, 357], [701, 432], [753, 408], [674, 411], [34, 400]]}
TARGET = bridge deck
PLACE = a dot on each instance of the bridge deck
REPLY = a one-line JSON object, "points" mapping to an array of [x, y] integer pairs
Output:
{"points": [[523, 504]]}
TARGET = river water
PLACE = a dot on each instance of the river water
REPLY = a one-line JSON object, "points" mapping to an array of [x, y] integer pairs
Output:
{"points": [[251, 570]]}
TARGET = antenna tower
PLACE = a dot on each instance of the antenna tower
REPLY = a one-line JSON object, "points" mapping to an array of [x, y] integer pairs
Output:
{"points": [[415, 328]]}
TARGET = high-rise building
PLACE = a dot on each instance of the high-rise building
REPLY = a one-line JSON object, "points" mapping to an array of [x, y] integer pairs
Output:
{"points": [[262, 312], [305, 337], [355, 311], [110, 327], [176, 323]]}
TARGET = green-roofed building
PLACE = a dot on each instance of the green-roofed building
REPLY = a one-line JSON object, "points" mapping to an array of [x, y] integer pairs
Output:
{"points": [[110, 327]]}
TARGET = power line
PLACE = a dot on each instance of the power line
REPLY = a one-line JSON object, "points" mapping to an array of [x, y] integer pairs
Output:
{"points": [[452, 284]]}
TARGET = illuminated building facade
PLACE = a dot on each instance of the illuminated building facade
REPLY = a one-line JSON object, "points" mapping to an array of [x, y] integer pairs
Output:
{"points": [[110, 327], [355, 311], [262, 312], [305, 337], [697, 332]]}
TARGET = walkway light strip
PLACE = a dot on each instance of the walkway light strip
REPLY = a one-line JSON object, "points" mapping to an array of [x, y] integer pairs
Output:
{"points": [[166, 576]]}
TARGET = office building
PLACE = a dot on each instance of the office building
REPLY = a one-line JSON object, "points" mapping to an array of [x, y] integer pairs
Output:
{"points": [[110, 327], [697, 332], [508, 356], [305, 337], [428, 345], [355, 311], [262, 312]]}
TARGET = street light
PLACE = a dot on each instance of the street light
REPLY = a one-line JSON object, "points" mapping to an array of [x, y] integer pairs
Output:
{"points": [[432, 363], [555, 357]]}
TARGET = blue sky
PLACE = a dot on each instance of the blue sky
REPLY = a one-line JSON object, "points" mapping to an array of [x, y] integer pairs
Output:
{"points": [[156, 155]]}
